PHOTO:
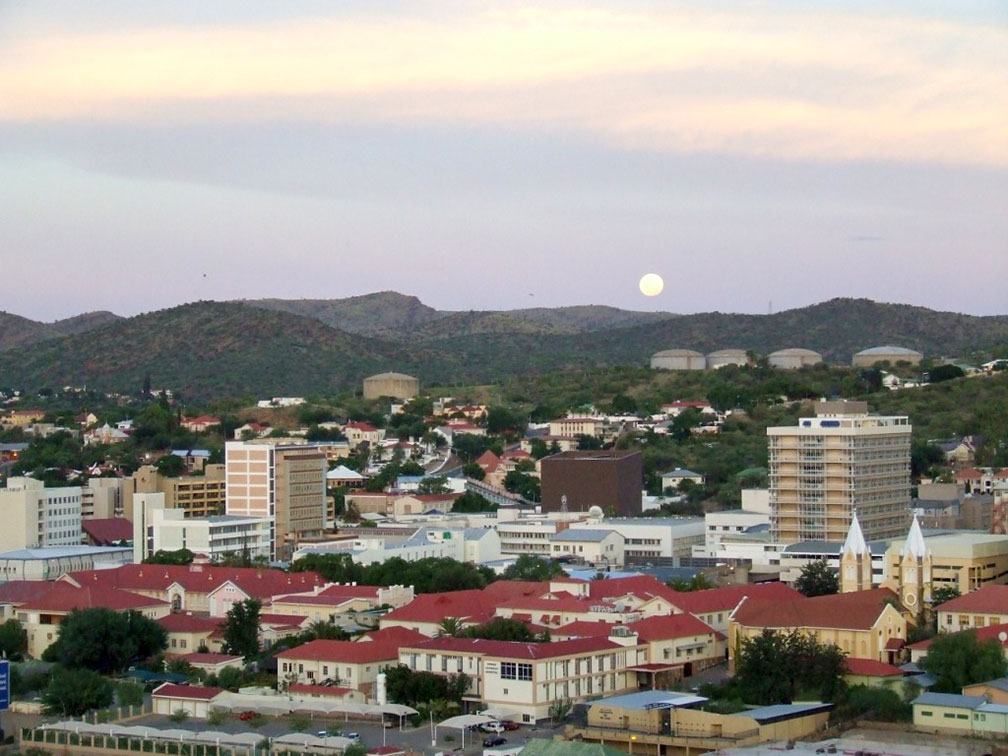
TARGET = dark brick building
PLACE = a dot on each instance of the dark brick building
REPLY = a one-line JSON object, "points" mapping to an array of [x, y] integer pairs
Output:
{"points": [[610, 479]]}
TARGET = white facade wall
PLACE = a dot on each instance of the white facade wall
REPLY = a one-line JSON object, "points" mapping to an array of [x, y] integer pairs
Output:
{"points": [[652, 538], [608, 551], [37, 516], [718, 525]]}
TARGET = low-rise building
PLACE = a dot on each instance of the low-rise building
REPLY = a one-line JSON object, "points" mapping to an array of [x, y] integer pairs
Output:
{"points": [[51, 563], [528, 678], [602, 548], [652, 539]]}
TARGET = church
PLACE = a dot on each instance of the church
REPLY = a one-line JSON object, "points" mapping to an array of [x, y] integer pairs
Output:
{"points": [[911, 579]]}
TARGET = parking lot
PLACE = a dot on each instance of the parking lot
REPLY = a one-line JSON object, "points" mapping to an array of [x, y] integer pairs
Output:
{"points": [[372, 734]]}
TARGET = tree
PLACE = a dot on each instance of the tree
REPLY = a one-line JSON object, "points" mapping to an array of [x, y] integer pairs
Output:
{"points": [[450, 627], [474, 471], [471, 501], [817, 579], [959, 659], [469, 446], [170, 465], [525, 485], [437, 484], [774, 667], [241, 629], [129, 694], [13, 640], [532, 568], [180, 556], [946, 593], [538, 448], [945, 373], [73, 692], [503, 629], [105, 641]]}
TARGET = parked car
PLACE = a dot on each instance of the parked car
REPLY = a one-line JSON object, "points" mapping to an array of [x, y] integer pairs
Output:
{"points": [[495, 727], [510, 725], [355, 736], [245, 716], [494, 740]]}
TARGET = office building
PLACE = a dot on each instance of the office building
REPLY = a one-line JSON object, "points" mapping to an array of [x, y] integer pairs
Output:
{"points": [[576, 481], [35, 516], [283, 482], [830, 464]]}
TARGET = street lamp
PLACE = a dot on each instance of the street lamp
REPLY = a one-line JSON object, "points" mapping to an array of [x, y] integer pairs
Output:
{"points": [[630, 743]]}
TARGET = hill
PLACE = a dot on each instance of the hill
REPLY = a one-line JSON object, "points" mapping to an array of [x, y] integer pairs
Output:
{"points": [[18, 331], [211, 349], [208, 350], [398, 317]]}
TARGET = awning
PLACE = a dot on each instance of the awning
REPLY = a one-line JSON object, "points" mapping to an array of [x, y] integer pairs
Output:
{"points": [[654, 667]]}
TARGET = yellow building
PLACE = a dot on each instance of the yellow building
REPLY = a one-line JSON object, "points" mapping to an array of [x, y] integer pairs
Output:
{"points": [[862, 624], [840, 460], [656, 721], [196, 495], [964, 561]]}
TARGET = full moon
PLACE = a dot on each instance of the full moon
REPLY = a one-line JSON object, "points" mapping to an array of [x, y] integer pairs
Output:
{"points": [[651, 284]]}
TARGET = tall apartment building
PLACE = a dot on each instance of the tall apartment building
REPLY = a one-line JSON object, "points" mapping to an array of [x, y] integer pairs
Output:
{"points": [[284, 482], [196, 495], [34, 515], [831, 464]]}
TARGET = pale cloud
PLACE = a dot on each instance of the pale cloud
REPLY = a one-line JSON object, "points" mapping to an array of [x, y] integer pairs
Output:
{"points": [[795, 85]]}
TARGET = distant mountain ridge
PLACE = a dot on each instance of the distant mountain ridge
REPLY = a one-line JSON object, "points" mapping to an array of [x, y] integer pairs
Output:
{"points": [[271, 347]]}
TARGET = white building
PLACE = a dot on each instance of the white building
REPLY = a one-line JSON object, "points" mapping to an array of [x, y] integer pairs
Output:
{"points": [[598, 547], [526, 537], [718, 525], [52, 562], [647, 539], [474, 545], [37, 516], [158, 529], [673, 478]]}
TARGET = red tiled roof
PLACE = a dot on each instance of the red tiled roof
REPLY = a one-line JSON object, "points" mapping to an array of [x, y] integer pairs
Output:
{"points": [[361, 426], [516, 454], [347, 652], [488, 461], [200, 578], [970, 473], [64, 597], [187, 623], [894, 644], [471, 606], [989, 599], [193, 692], [108, 531], [871, 668], [330, 691], [565, 604], [396, 634], [19, 591], [583, 629], [643, 586], [515, 649], [990, 632], [198, 658], [294, 620], [727, 598], [671, 626], [859, 610]]}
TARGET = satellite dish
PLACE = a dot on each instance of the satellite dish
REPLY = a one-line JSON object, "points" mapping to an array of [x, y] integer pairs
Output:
{"points": [[596, 511]]}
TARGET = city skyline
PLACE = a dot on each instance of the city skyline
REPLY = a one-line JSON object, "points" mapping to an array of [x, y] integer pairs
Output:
{"points": [[500, 156]]}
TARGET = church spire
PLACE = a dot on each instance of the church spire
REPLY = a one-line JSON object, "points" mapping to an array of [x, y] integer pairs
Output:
{"points": [[914, 545], [855, 542]]}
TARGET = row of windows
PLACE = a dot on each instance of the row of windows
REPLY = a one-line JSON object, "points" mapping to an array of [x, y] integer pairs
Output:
{"points": [[513, 671]]}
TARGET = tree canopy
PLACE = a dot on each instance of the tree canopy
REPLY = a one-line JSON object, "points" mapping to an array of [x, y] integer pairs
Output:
{"points": [[105, 641], [430, 575], [241, 629], [774, 667], [958, 659], [532, 568], [73, 692], [817, 579]]}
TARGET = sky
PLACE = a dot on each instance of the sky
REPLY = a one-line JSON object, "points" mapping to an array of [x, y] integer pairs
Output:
{"points": [[757, 155]]}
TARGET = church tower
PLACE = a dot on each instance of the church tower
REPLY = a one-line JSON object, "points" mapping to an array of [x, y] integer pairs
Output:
{"points": [[855, 560], [915, 570]]}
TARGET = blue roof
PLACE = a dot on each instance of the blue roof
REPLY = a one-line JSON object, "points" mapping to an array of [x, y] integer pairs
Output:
{"points": [[191, 452], [475, 534], [993, 708], [1000, 683], [681, 472], [778, 712], [587, 534], [651, 699], [951, 700]]}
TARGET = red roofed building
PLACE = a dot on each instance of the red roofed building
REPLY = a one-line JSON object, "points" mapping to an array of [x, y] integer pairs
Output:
{"points": [[41, 614], [530, 677], [872, 672], [324, 603], [361, 432], [425, 612], [108, 531], [196, 701], [187, 633], [715, 605], [344, 663], [198, 587], [200, 424], [987, 605], [864, 624], [212, 663]]}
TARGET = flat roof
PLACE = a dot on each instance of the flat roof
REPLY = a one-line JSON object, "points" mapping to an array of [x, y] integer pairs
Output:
{"points": [[651, 699], [781, 712], [60, 552]]}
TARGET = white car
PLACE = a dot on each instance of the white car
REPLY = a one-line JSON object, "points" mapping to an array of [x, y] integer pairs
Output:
{"points": [[495, 727]]}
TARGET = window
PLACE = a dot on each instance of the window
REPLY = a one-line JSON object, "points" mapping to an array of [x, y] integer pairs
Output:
{"points": [[524, 671], [509, 671], [926, 713]]}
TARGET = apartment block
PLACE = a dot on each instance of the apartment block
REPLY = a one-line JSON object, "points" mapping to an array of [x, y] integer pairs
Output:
{"points": [[829, 465], [38, 516], [283, 482], [196, 495]]}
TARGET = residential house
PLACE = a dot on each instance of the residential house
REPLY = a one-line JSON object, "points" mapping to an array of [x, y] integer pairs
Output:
{"points": [[988, 605], [200, 424], [576, 426], [358, 432]]}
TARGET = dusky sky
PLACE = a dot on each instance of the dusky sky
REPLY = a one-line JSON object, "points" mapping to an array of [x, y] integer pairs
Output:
{"points": [[500, 155]]}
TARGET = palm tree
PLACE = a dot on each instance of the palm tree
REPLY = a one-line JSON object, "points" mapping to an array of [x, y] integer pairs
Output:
{"points": [[450, 627]]}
